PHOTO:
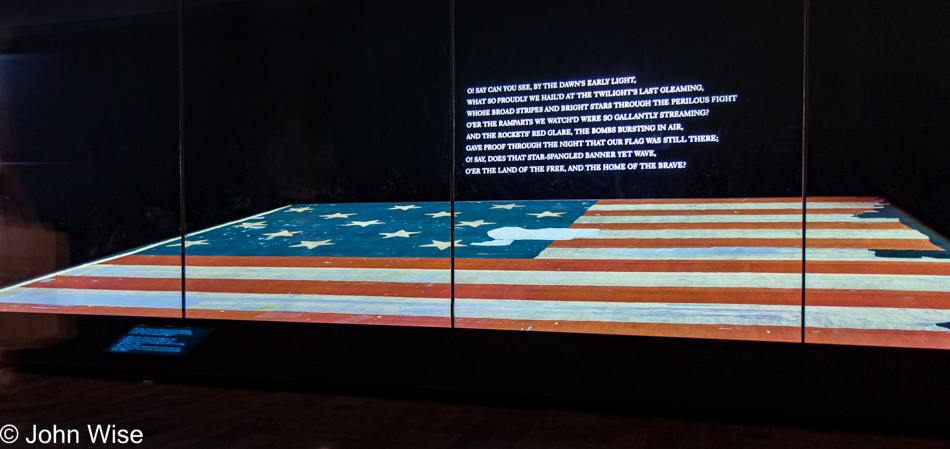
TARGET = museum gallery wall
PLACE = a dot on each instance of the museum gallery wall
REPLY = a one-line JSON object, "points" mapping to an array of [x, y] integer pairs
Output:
{"points": [[657, 168]]}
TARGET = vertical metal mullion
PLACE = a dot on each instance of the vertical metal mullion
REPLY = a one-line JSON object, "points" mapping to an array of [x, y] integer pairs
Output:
{"points": [[452, 161], [181, 158], [804, 158]]}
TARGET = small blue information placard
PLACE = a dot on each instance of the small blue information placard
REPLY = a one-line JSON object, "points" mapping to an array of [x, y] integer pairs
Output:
{"points": [[159, 340]]}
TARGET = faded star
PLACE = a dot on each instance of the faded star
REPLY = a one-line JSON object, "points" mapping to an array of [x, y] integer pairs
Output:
{"points": [[474, 224], [548, 214], [336, 215], [363, 224], [251, 224], [440, 245], [284, 233], [191, 243], [311, 245], [411, 206], [505, 206], [399, 233], [442, 214], [299, 209]]}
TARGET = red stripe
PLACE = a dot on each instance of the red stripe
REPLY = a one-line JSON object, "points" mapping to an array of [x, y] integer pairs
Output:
{"points": [[672, 295], [283, 261], [737, 225], [918, 244], [713, 331], [109, 283], [253, 286], [811, 199], [877, 298], [878, 337], [91, 310], [879, 267], [308, 317], [639, 213]]}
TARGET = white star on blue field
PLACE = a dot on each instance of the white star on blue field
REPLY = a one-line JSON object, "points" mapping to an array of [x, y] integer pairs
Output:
{"points": [[409, 229]]}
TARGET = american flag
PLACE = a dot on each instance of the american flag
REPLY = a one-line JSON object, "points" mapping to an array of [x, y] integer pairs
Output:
{"points": [[701, 268]]}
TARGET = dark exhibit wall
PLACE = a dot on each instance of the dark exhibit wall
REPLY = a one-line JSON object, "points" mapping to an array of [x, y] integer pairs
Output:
{"points": [[878, 114], [629, 168], [91, 128], [312, 102], [704, 97]]}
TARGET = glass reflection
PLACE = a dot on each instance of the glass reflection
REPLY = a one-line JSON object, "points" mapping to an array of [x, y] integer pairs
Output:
{"points": [[88, 156]]}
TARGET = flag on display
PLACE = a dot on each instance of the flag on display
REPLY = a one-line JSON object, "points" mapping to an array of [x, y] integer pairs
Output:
{"points": [[706, 268]]}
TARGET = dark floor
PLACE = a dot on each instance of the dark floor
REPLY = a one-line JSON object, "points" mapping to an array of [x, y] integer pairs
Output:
{"points": [[200, 416]]}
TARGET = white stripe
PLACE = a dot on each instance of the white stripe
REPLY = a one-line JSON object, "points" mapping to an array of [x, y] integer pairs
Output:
{"points": [[104, 298], [812, 218], [876, 318], [374, 305], [724, 253], [750, 280], [729, 314], [620, 312], [426, 276], [896, 282], [901, 282], [734, 206], [630, 279], [760, 234], [691, 254]]}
